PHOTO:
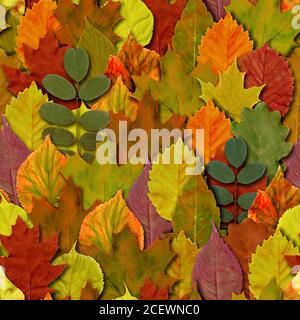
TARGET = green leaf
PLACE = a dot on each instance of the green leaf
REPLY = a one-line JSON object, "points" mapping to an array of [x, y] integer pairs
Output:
{"points": [[59, 87], [76, 63], [251, 173], [98, 48], [266, 23], [289, 225], [94, 120], [269, 262], [59, 136], [220, 171], [57, 114], [246, 199], [137, 20], [194, 22], [88, 141], [236, 151], [264, 135], [226, 215], [242, 216], [94, 88], [222, 195], [8, 36], [271, 291], [80, 269]]}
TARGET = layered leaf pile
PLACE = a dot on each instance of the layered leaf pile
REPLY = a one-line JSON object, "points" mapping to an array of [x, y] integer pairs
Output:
{"points": [[145, 226]]}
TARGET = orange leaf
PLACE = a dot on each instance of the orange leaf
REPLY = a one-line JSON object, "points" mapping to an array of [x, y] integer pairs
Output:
{"points": [[216, 129], [224, 42], [35, 24], [150, 292], [109, 218], [89, 292], [39, 176]]}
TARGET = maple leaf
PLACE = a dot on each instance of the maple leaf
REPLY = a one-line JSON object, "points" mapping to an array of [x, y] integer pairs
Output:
{"points": [[265, 67], [35, 24], [139, 203], [223, 43], [217, 273], [150, 292], [292, 118], [269, 262], [243, 239], [165, 18], [266, 139], [266, 23], [216, 129], [14, 152], [39, 176], [28, 263], [105, 220], [126, 264], [270, 205], [230, 94], [65, 220], [71, 18]]}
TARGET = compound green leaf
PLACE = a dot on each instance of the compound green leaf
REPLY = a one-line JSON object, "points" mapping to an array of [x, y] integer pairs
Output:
{"points": [[76, 63], [59, 87], [251, 173], [236, 151], [220, 171], [94, 88]]}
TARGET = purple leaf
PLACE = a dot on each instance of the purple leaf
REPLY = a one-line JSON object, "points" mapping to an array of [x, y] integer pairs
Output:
{"points": [[13, 153], [217, 273], [292, 173], [139, 203], [216, 8]]}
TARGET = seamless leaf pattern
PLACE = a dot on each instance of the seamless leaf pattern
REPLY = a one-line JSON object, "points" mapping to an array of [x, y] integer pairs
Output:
{"points": [[75, 228]]}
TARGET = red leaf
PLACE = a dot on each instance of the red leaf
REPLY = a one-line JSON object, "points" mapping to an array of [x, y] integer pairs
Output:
{"points": [[266, 66], [151, 292], [293, 260], [165, 18], [28, 263]]}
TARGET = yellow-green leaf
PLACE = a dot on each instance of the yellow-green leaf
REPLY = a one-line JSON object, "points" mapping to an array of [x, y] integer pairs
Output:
{"points": [[127, 295], [8, 291]]}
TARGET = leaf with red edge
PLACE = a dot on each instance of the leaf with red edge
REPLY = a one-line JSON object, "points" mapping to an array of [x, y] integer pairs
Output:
{"points": [[292, 173], [165, 18], [293, 260], [265, 66], [216, 8], [139, 203], [13, 153], [28, 264], [217, 273], [150, 292]]}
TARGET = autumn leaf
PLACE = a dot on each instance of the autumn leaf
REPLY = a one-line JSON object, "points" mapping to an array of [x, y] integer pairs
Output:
{"points": [[71, 18], [266, 139], [88, 292], [271, 204], [22, 114], [65, 220], [292, 166], [127, 296], [292, 119], [216, 7], [24, 249], [242, 240], [109, 218], [217, 273], [268, 261], [165, 18], [35, 24], [181, 268], [39, 176], [128, 265], [216, 129], [266, 23], [265, 66], [139, 203], [14, 152], [150, 292], [8, 291], [223, 43]]}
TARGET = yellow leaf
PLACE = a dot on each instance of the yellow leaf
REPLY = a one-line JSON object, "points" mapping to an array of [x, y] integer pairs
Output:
{"points": [[230, 94], [216, 129], [39, 176], [23, 116], [127, 295], [109, 218], [181, 267], [35, 24], [224, 42], [8, 291], [238, 296], [118, 99]]}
